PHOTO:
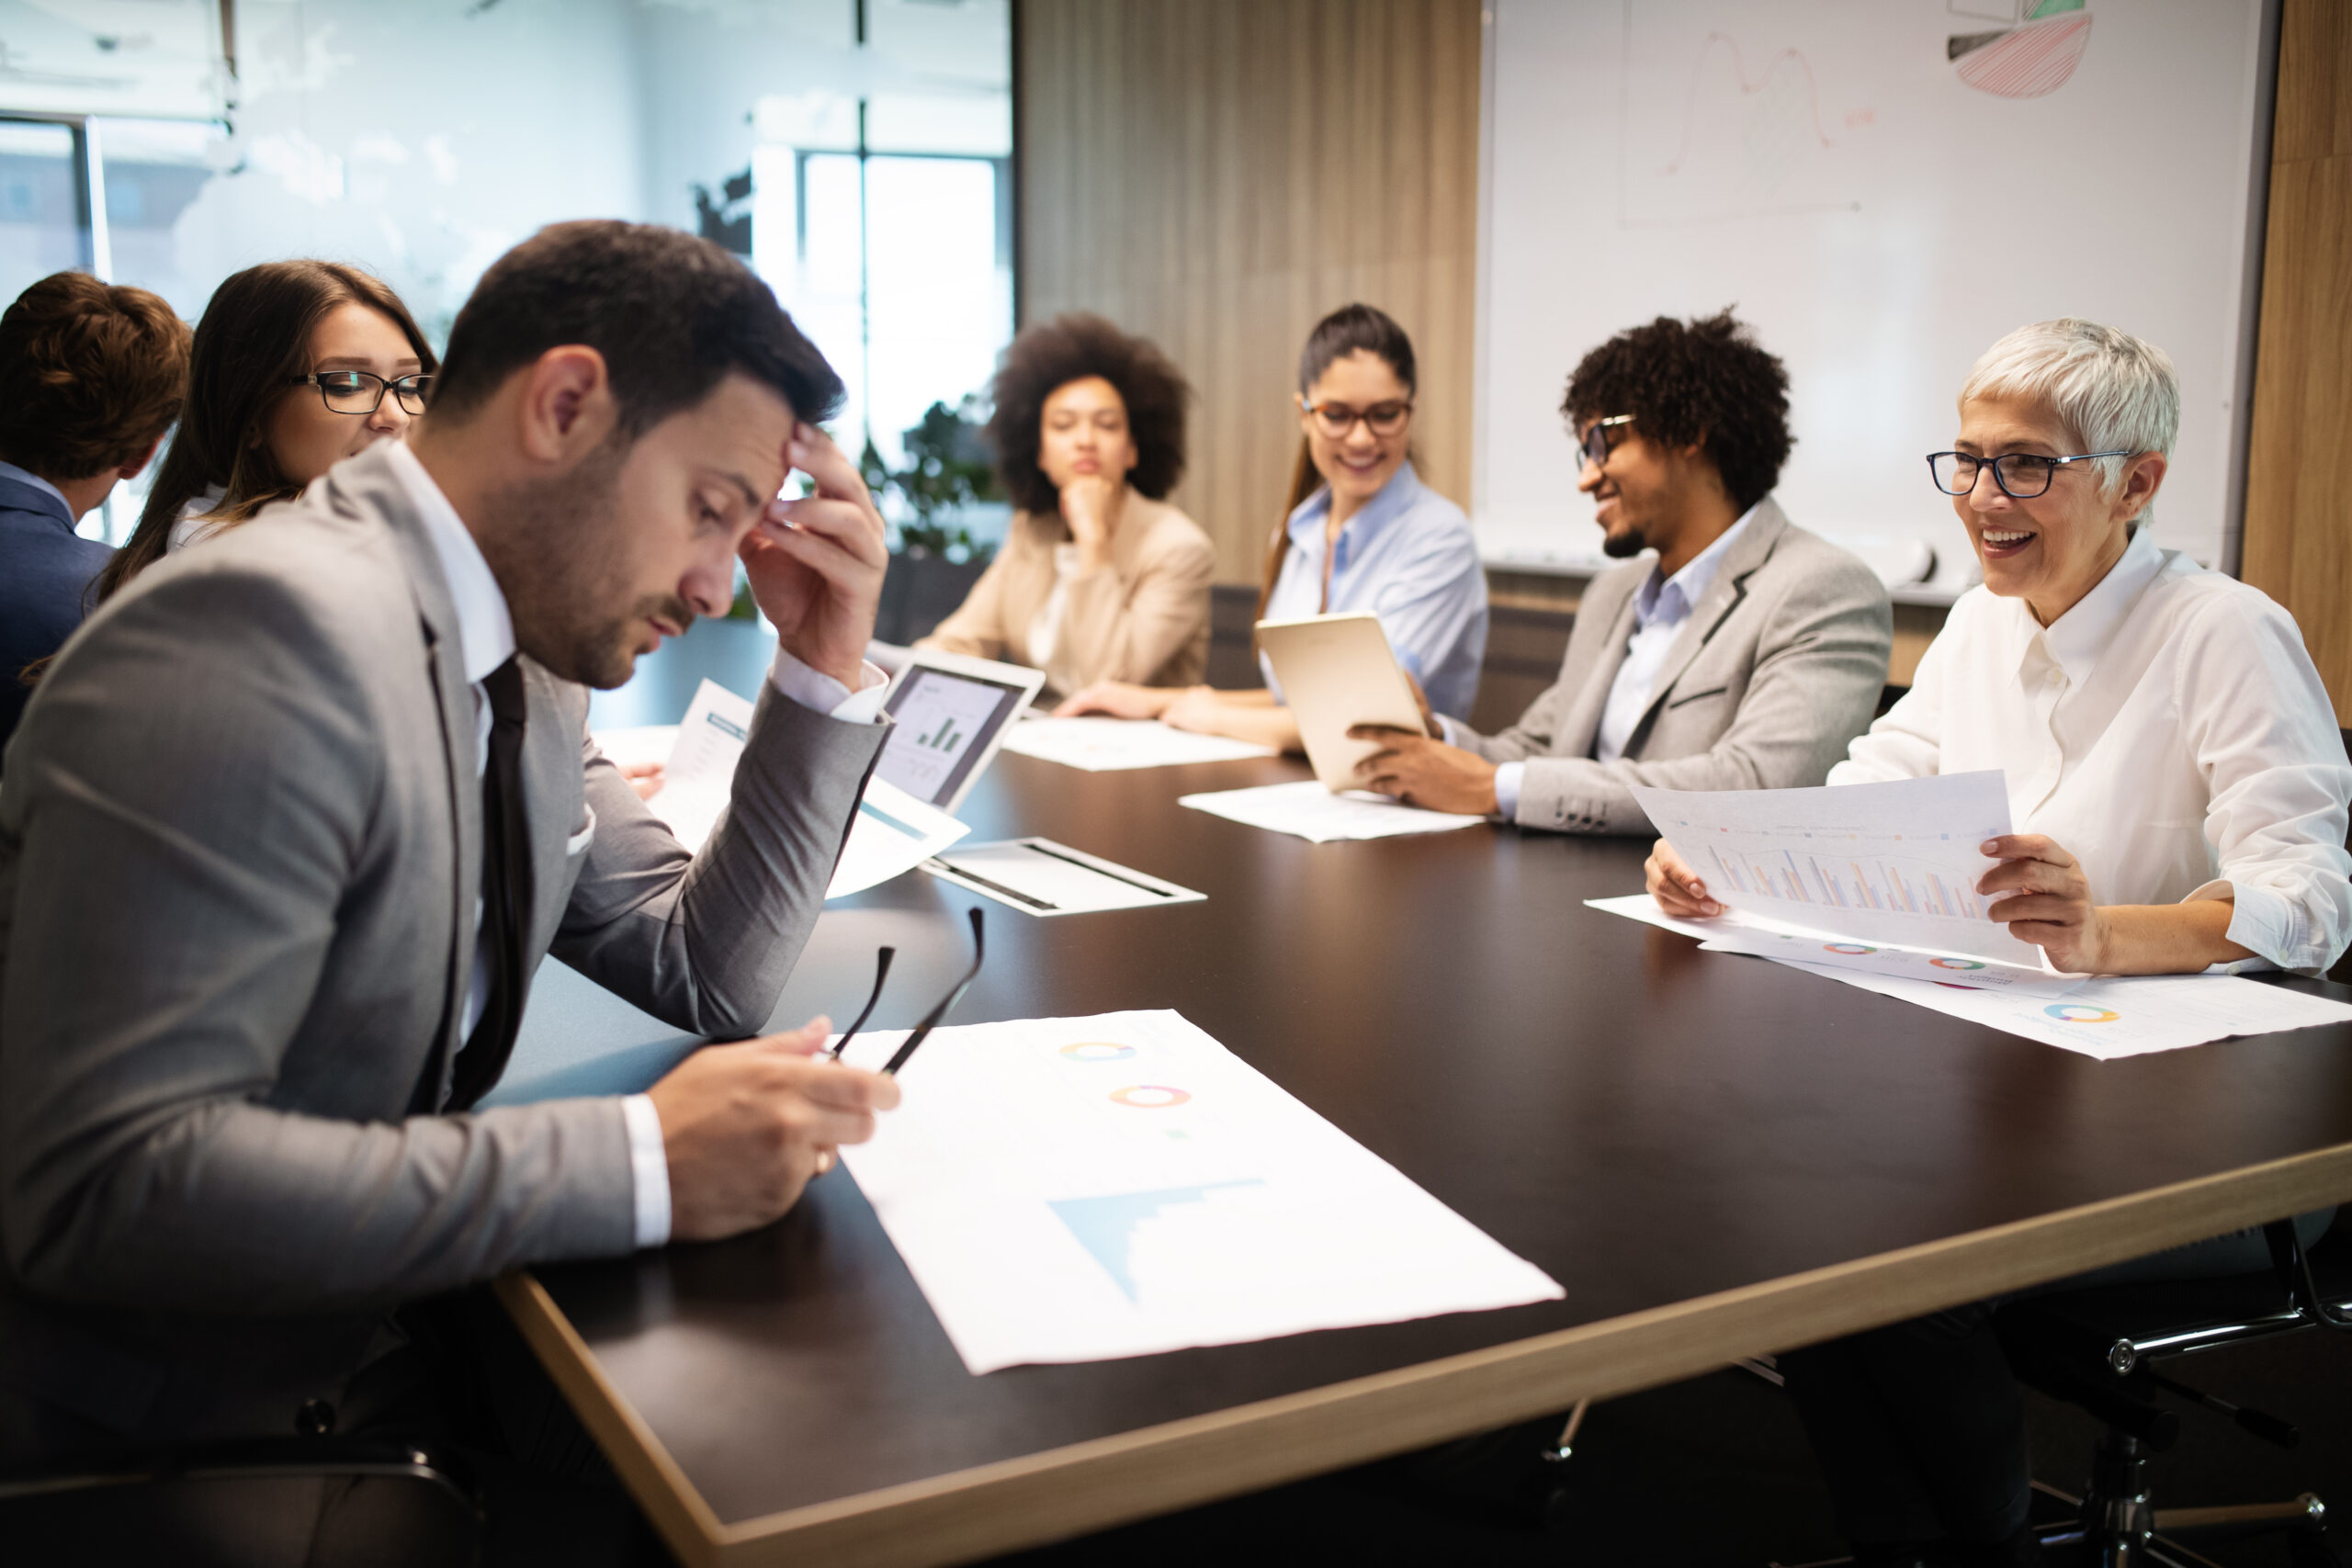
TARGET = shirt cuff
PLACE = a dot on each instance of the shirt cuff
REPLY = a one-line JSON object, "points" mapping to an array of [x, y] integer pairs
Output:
{"points": [[1506, 777], [649, 1166], [821, 692]]}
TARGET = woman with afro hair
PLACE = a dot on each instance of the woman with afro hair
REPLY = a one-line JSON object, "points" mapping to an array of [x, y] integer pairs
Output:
{"points": [[1099, 578]]}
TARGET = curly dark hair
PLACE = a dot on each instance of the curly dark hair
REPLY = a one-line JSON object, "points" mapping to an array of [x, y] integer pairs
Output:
{"points": [[1701, 380], [1068, 348]]}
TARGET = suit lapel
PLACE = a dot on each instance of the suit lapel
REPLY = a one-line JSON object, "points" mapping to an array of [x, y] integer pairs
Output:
{"points": [[364, 487], [1752, 550], [1583, 720]]}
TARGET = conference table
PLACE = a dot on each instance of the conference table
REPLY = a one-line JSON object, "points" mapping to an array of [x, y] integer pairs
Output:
{"points": [[1716, 1157]]}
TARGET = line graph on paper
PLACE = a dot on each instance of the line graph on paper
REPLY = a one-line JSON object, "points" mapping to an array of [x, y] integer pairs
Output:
{"points": [[1714, 124], [1886, 884]]}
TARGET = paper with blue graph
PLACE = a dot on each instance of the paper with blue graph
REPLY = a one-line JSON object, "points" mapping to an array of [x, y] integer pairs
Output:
{"points": [[1082, 1189], [1892, 864]]}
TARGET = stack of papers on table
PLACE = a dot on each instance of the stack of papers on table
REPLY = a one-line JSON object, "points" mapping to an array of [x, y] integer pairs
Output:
{"points": [[1314, 813], [1100, 745], [893, 833], [1080, 1189], [2107, 1018]]}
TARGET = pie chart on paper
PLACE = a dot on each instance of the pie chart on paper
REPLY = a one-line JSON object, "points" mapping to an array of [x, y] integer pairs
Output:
{"points": [[2028, 61]]}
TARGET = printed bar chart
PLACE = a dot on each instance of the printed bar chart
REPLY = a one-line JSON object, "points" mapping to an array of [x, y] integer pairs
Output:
{"points": [[1894, 865], [1877, 884]]}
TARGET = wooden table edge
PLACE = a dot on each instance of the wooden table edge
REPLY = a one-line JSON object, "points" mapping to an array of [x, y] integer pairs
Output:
{"points": [[1059, 1492]]}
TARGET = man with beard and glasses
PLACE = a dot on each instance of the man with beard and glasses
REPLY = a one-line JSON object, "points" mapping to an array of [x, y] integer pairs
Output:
{"points": [[1745, 655], [287, 830]]}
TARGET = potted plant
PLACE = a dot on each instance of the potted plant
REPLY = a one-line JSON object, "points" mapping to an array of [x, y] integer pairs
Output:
{"points": [[935, 556]]}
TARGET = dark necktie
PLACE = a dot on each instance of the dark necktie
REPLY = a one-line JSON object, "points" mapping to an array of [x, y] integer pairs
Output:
{"points": [[505, 893]]}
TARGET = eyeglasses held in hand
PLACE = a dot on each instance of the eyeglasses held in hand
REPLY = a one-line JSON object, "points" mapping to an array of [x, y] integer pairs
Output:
{"points": [[1335, 420], [929, 1020], [360, 391], [2022, 475], [1596, 443]]}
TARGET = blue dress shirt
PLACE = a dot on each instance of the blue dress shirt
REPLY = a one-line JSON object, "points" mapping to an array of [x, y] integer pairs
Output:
{"points": [[45, 577], [1409, 557]]}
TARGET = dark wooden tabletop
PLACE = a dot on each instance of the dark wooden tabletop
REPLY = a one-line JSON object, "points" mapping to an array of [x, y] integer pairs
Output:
{"points": [[1648, 1123]]}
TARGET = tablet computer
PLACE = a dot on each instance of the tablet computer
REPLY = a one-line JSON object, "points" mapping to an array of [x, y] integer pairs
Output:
{"points": [[1338, 671], [952, 714]]}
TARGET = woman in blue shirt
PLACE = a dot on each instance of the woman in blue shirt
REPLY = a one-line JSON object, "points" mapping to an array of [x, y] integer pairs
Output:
{"points": [[1363, 534]]}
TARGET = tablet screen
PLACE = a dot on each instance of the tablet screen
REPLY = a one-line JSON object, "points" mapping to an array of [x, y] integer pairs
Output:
{"points": [[945, 721]]}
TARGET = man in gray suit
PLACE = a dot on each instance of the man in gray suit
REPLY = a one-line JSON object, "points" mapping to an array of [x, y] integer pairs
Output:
{"points": [[289, 825], [1745, 656]]}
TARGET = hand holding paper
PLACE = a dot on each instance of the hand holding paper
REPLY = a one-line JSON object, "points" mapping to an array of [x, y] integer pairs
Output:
{"points": [[1892, 865]]}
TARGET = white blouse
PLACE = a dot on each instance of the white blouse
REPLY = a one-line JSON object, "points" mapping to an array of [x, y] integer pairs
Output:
{"points": [[2169, 731]]}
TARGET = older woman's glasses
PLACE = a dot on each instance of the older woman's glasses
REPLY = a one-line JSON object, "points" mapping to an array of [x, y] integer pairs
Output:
{"points": [[359, 392], [2022, 475], [929, 1020], [1598, 443], [1335, 420]]}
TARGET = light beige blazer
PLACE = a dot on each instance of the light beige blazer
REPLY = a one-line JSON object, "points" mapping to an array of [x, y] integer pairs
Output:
{"points": [[1143, 618]]}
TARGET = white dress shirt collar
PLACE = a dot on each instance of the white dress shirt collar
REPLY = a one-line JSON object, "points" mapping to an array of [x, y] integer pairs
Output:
{"points": [[2075, 640], [485, 627]]}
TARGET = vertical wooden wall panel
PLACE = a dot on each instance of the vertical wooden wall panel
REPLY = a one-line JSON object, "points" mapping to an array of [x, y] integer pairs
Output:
{"points": [[2298, 544], [1217, 175]]}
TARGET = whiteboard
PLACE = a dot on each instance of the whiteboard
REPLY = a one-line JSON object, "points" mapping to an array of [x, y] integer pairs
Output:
{"points": [[1883, 188]]}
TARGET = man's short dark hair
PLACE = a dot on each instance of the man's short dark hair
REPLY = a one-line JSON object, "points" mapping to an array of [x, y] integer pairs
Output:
{"points": [[1701, 380], [672, 315], [91, 375], [1068, 348]]}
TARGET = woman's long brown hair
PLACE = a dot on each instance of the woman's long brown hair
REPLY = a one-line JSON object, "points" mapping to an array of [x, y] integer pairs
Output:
{"points": [[1349, 329], [251, 347]]}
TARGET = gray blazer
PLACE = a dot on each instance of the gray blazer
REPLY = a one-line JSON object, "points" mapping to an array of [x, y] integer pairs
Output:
{"points": [[1780, 665], [240, 856]]}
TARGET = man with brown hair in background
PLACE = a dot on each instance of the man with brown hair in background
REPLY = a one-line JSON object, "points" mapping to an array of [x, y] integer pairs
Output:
{"points": [[91, 375]]}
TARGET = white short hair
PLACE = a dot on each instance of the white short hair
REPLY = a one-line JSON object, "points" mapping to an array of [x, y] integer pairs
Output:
{"points": [[2113, 391]]}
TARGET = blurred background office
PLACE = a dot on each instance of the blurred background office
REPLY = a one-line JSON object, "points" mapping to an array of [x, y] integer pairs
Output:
{"points": [[857, 153]]}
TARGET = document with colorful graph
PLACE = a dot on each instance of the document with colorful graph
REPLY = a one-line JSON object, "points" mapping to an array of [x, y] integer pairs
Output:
{"points": [[1887, 864], [2118, 1016], [1083, 1188]]}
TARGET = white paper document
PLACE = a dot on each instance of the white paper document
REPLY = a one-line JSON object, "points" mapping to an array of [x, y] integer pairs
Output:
{"points": [[1082, 1189], [636, 743], [1813, 951], [1888, 864], [1310, 811], [893, 833], [2105, 1018], [2119, 1015], [1039, 876], [1100, 745], [700, 774]]}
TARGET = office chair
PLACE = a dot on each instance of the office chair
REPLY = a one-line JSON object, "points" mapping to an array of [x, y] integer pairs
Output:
{"points": [[2101, 1351], [303, 1502]]}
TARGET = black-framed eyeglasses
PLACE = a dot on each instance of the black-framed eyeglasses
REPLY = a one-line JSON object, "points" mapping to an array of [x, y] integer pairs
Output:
{"points": [[361, 392], [1335, 420], [2022, 475], [929, 1020], [1595, 443]]}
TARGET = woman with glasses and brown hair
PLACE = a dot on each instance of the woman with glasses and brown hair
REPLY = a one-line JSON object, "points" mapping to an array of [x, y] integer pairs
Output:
{"points": [[1364, 532], [297, 364]]}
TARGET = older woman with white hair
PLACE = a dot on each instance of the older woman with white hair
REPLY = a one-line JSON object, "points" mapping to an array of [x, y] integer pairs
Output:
{"points": [[2178, 788]]}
